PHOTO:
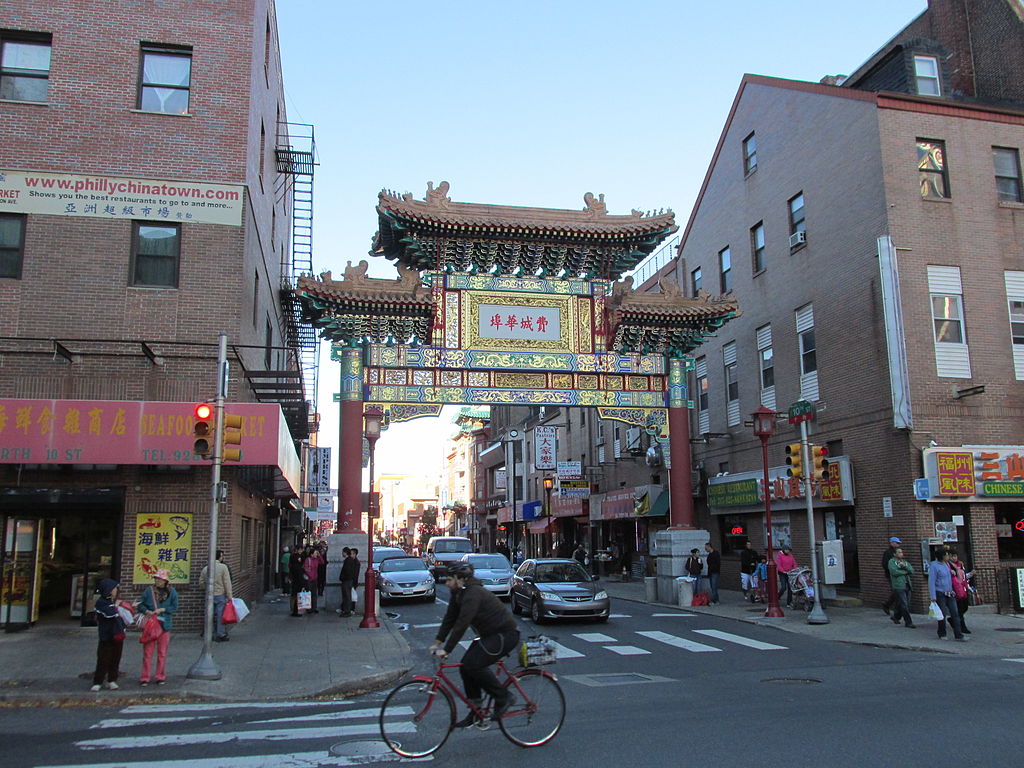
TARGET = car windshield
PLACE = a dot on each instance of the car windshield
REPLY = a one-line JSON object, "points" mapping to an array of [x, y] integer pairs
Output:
{"points": [[402, 564], [378, 556], [553, 572], [492, 562], [453, 545]]}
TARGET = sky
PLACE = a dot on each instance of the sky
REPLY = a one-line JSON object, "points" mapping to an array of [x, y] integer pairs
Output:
{"points": [[533, 103]]}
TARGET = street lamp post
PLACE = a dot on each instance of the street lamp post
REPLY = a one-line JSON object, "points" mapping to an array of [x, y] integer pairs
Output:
{"points": [[764, 427], [371, 431], [510, 482], [549, 483]]}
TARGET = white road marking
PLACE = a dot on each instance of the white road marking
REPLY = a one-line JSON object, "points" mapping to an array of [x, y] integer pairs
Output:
{"points": [[626, 650], [664, 615], [293, 760], [426, 626], [561, 652], [740, 640], [595, 637], [151, 708], [128, 722], [619, 616], [678, 642], [442, 602], [1019, 660], [279, 734], [374, 712]]}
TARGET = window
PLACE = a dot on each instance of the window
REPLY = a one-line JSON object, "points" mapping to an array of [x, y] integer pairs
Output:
{"points": [[952, 358], [1007, 164], [947, 316], [757, 247], [749, 155], [931, 169], [725, 270], [245, 545], [703, 416], [695, 282], [269, 351], [164, 82], [808, 350], [926, 73], [12, 244], [255, 295], [156, 254], [732, 386], [766, 360], [24, 67], [796, 215]]}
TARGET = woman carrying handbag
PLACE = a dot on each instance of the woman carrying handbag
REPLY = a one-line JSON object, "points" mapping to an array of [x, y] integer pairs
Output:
{"points": [[159, 603]]}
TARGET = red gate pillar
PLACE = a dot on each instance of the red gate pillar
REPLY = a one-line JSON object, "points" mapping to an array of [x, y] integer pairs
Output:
{"points": [[350, 444], [679, 480]]}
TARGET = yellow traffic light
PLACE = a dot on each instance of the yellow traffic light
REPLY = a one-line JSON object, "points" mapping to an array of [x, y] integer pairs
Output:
{"points": [[202, 431], [794, 460], [232, 431], [819, 462]]}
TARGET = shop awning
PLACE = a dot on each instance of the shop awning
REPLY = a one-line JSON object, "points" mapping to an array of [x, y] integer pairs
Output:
{"points": [[539, 526]]}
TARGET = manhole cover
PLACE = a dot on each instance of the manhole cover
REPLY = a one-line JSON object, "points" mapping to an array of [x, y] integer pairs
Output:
{"points": [[365, 748], [792, 680]]}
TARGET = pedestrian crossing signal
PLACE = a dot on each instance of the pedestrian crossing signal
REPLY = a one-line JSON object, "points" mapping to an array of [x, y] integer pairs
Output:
{"points": [[794, 460], [202, 431], [819, 462]]}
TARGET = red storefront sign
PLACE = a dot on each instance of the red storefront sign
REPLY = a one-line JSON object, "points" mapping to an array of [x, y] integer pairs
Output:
{"points": [[955, 472]]}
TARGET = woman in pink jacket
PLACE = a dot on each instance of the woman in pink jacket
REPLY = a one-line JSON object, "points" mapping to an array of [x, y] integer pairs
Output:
{"points": [[785, 562], [311, 566]]}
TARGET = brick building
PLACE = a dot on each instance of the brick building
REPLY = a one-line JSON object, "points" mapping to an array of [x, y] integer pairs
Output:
{"points": [[147, 191], [870, 226]]}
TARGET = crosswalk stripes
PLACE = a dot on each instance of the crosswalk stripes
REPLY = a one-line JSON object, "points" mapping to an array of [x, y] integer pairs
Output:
{"points": [[740, 640], [679, 642]]}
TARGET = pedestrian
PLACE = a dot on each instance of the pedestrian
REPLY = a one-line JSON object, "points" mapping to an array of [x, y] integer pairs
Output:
{"points": [[580, 555], [759, 582], [311, 566], [893, 599], [111, 634], [748, 564], [940, 590], [349, 581], [286, 556], [960, 587], [160, 600], [784, 563], [297, 575], [321, 573], [900, 572], [694, 566], [222, 593], [714, 561]]}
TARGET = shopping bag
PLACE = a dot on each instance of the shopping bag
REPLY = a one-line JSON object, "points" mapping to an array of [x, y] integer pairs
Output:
{"points": [[126, 612], [305, 600], [934, 611], [151, 630], [229, 615], [240, 608], [701, 598]]}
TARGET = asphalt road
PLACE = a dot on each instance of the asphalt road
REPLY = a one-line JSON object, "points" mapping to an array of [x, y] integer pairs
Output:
{"points": [[652, 686]]}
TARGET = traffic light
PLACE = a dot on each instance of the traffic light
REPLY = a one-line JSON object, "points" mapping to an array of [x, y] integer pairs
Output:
{"points": [[819, 462], [202, 431], [232, 431], [794, 460]]}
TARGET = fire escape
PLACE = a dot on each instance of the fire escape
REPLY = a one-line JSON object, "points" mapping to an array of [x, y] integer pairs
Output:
{"points": [[296, 162]]}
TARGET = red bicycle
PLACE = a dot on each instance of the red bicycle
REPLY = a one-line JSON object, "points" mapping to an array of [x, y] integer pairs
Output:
{"points": [[417, 716]]}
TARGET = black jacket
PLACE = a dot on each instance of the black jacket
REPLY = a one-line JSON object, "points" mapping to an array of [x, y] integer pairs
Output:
{"points": [[714, 562], [350, 570], [474, 606], [296, 571], [748, 561]]}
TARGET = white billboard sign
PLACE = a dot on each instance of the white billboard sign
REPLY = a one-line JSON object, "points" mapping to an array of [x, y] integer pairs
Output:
{"points": [[544, 447]]}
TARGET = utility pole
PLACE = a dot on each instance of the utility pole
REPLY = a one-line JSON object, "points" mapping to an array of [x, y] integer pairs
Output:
{"points": [[817, 614]]}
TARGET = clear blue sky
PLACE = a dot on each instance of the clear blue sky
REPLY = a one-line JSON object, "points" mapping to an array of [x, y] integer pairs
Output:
{"points": [[536, 103]]}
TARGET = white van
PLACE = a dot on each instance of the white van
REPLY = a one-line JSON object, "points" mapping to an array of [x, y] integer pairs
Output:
{"points": [[443, 551]]}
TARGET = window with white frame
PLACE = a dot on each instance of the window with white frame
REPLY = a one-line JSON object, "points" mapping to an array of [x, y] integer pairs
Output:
{"points": [[696, 282], [749, 155], [24, 66], [808, 348], [703, 414], [732, 385], [757, 247], [766, 360], [1015, 305], [725, 270], [1007, 167], [952, 358], [926, 74]]}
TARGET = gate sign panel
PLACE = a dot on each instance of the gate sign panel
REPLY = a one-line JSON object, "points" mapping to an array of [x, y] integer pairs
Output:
{"points": [[497, 321], [544, 447]]}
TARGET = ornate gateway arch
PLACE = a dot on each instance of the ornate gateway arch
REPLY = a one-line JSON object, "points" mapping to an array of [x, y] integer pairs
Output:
{"points": [[503, 305]]}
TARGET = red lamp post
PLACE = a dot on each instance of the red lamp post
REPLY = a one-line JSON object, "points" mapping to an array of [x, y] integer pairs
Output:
{"points": [[549, 483], [764, 427], [371, 431]]}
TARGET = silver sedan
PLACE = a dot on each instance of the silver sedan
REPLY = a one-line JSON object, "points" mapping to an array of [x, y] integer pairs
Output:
{"points": [[494, 572], [405, 577]]}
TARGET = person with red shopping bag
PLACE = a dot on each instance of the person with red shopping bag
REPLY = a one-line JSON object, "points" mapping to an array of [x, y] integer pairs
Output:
{"points": [[222, 596], [159, 603]]}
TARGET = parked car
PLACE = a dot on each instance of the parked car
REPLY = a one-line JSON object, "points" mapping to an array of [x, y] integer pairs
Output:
{"points": [[560, 589], [405, 577], [494, 572], [444, 551]]}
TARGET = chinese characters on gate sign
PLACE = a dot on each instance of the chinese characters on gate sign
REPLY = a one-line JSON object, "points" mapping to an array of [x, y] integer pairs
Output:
{"points": [[525, 323]]}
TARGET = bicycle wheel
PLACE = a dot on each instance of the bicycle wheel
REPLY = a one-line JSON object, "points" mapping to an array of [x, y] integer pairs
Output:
{"points": [[415, 718], [537, 711]]}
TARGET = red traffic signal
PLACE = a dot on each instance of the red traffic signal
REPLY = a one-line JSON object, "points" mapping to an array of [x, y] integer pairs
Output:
{"points": [[819, 462], [202, 431]]}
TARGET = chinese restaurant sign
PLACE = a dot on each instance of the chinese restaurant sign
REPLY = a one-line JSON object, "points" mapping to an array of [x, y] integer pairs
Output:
{"points": [[108, 197], [544, 447], [162, 541], [123, 432], [975, 472], [734, 492]]}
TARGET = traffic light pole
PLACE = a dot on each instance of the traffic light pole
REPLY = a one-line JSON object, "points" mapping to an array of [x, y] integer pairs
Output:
{"points": [[817, 614], [205, 667]]}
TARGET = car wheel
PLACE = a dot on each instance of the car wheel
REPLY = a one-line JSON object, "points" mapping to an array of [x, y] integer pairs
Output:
{"points": [[535, 612], [516, 609]]}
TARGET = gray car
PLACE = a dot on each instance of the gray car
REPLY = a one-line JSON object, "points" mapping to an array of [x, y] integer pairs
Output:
{"points": [[405, 577], [494, 572], [558, 589]]}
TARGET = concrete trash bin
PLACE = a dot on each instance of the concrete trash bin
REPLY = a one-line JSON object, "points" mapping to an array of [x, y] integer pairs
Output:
{"points": [[685, 592], [651, 588]]}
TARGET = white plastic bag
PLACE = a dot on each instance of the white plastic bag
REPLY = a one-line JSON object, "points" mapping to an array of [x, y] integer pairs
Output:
{"points": [[935, 612], [240, 607], [305, 600]]}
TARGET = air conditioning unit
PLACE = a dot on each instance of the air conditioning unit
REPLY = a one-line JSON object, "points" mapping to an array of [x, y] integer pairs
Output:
{"points": [[697, 482], [797, 238]]}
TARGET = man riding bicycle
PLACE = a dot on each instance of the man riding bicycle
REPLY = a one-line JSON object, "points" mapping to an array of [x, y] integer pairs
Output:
{"points": [[472, 605]]}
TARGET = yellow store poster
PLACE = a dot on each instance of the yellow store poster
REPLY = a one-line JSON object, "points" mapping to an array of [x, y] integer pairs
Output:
{"points": [[162, 541]]}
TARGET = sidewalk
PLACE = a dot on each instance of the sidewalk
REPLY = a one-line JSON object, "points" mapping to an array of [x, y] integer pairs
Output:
{"points": [[270, 656], [992, 635]]}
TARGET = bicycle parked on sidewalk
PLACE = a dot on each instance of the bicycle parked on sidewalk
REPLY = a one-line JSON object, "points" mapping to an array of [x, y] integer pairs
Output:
{"points": [[417, 716]]}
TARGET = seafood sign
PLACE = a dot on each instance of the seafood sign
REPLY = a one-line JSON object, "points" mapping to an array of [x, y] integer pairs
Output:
{"points": [[162, 541]]}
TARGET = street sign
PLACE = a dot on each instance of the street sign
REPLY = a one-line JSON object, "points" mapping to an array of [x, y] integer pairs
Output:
{"points": [[570, 470], [801, 410], [922, 489]]}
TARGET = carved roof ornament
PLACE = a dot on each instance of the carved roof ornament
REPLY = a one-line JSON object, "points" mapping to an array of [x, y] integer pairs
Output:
{"points": [[594, 208], [356, 285]]}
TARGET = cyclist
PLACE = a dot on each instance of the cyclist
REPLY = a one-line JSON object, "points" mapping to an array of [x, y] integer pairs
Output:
{"points": [[472, 605]]}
